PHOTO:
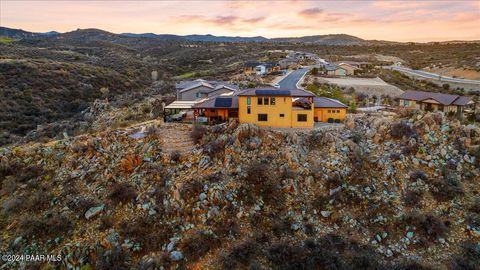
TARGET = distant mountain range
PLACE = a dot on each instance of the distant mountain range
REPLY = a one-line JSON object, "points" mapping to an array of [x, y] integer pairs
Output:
{"points": [[332, 39]]}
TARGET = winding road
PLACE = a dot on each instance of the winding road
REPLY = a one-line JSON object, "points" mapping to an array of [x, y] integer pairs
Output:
{"points": [[290, 81], [434, 76]]}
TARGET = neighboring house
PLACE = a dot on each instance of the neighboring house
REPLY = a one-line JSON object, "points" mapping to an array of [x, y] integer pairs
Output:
{"points": [[431, 101], [200, 89], [350, 70], [335, 70], [302, 56], [249, 67], [266, 68], [260, 68], [359, 65], [288, 63]]}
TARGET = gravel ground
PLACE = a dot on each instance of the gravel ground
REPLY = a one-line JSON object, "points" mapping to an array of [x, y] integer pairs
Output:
{"points": [[374, 86]]}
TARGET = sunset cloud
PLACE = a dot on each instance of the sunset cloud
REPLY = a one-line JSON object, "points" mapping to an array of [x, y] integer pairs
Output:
{"points": [[387, 20], [310, 12]]}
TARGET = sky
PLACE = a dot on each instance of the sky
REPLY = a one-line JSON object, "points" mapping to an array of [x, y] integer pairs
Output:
{"points": [[408, 20]]}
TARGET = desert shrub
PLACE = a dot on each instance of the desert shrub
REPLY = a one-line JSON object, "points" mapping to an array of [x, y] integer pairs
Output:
{"points": [[475, 205], [412, 198], [175, 156], [429, 225], [9, 185], [122, 193], [198, 245], [197, 133], [281, 226], [149, 232], [240, 255], [214, 148], [12, 205], [257, 172], [190, 190], [115, 258], [418, 174], [402, 129], [468, 258], [49, 226], [409, 150], [82, 204], [448, 186]]}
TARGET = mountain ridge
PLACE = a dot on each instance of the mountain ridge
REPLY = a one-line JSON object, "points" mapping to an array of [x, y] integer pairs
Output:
{"points": [[330, 39]]}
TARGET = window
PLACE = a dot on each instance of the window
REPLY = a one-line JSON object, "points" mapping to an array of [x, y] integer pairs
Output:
{"points": [[249, 101], [259, 101], [301, 117], [329, 111], [265, 100], [282, 115], [272, 101], [406, 103], [197, 95], [262, 117], [249, 110], [338, 111]]}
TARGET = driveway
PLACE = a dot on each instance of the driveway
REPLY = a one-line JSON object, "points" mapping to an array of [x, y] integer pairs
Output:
{"points": [[290, 81]]}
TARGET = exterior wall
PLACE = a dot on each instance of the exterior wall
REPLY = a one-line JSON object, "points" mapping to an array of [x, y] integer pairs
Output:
{"points": [[323, 114], [249, 70], [283, 105], [223, 113], [191, 94], [341, 72], [409, 103]]}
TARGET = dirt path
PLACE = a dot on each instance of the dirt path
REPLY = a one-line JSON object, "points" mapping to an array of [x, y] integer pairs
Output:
{"points": [[176, 137]]}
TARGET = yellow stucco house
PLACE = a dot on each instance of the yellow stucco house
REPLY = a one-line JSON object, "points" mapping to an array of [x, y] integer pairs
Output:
{"points": [[271, 107]]}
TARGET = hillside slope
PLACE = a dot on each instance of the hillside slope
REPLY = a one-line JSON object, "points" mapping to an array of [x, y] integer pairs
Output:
{"points": [[384, 193]]}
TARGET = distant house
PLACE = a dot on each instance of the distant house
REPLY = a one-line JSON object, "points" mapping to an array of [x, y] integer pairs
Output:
{"points": [[334, 70], [302, 56], [200, 89], [257, 68], [249, 67], [431, 101], [288, 63]]}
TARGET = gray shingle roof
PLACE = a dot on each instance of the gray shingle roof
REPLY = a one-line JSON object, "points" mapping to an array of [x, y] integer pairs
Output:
{"points": [[187, 84], [323, 102], [443, 99]]}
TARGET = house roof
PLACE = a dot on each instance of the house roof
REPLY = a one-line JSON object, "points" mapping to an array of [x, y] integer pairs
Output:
{"points": [[275, 92], [196, 85], [331, 67], [181, 105], [187, 84], [323, 102], [251, 64], [443, 99], [218, 102]]}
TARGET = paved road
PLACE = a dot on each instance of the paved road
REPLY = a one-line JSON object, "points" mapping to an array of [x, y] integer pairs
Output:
{"points": [[290, 81], [429, 75]]}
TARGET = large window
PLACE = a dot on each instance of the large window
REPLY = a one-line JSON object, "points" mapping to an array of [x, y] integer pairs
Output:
{"points": [[249, 110], [259, 101], [262, 117], [272, 101], [265, 100], [301, 117], [406, 103]]}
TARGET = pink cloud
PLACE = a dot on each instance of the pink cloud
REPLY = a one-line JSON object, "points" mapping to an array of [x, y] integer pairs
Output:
{"points": [[310, 12]]}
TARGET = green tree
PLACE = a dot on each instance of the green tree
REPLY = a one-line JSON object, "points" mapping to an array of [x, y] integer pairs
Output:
{"points": [[314, 71], [353, 106]]}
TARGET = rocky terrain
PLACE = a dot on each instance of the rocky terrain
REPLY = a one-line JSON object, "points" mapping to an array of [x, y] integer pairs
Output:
{"points": [[386, 191]]}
